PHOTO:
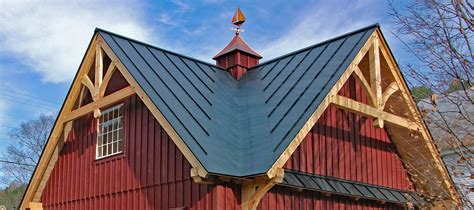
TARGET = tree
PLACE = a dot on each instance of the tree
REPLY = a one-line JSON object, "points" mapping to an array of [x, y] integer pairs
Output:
{"points": [[438, 34], [11, 196], [24, 151], [421, 92]]}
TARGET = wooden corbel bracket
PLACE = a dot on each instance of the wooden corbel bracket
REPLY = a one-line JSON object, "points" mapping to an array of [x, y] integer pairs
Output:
{"points": [[253, 192]]}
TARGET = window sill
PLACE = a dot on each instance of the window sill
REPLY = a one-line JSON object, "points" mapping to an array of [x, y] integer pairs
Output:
{"points": [[109, 158]]}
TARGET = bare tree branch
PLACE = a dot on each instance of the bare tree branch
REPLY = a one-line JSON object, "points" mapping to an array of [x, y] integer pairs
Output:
{"points": [[438, 34], [22, 155]]}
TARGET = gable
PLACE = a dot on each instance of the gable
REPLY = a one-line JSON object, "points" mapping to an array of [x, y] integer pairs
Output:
{"points": [[91, 92], [227, 124], [252, 126], [348, 146], [151, 173], [391, 107]]}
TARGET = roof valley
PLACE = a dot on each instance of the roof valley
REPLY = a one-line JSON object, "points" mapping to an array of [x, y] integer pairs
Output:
{"points": [[238, 126]]}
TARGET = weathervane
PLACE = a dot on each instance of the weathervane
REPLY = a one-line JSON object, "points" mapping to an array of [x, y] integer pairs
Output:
{"points": [[238, 20]]}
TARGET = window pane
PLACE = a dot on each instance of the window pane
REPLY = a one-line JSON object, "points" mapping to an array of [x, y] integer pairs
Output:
{"points": [[110, 132], [109, 138]]}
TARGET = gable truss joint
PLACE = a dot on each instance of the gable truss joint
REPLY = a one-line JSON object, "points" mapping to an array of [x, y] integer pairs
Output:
{"points": [[373, 87]]}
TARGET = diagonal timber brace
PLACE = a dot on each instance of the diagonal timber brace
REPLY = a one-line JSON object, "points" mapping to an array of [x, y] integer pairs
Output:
{"points": [[253, 192]]}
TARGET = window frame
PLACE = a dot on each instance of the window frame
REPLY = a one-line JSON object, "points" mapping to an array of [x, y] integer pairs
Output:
{"points": [[98, 133]]}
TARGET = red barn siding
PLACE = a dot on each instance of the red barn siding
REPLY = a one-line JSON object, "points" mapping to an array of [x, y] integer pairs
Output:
{"points": [[151, 173], [283, 198], [347, 146]]}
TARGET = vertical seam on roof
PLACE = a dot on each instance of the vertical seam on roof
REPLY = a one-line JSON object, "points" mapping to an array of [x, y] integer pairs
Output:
{"points": [[317, 95], [278, 74], [192, 84], [316, 45], [199, 66], [196, 64], [179, 84], [205, 152], [288, 76], [260, 69], [304, 91], [177, 98], [299, 79], [194, 73], [314, 98], [269, 70], [157, 48]]}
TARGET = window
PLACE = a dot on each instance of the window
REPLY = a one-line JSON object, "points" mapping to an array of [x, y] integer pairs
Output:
{"points": [[110, 132]]}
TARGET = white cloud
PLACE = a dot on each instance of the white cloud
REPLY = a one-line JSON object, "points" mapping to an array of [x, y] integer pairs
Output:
{"points": [[321, 22], [166, 19], [51, 36], [182, 6]]}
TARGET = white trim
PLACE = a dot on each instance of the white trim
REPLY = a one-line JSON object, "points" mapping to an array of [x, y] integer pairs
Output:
{"points": [[116, 122]]}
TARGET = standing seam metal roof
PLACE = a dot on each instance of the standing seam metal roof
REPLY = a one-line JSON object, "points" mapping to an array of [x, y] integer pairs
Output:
{"points": [[349, 188], [238, 128]]}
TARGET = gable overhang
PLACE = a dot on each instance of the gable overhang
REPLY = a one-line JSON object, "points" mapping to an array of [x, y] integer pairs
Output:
{"points": [[275, 173], [393, 123], [63, 124]]}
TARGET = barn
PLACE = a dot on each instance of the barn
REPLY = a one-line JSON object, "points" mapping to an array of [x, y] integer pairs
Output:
{"points": [[330, 126]]}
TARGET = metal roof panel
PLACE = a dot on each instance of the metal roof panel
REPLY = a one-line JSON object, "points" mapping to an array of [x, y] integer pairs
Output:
{"points": [[326, 184], [237, 128]]}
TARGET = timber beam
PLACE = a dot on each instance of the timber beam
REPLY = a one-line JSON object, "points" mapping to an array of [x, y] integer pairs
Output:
{"points": [[360, 76], [199, 175], [253, 192], [368, 111], [101, 103], [376, 79], [35, 206], [98, 87]]}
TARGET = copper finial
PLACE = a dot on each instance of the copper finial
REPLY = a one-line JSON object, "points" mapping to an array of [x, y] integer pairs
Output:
{"points": [[238, 20]]}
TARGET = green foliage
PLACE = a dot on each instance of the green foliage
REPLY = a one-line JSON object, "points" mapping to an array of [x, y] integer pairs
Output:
{"points": [[457, 86], [421, 92], [10, 197]]}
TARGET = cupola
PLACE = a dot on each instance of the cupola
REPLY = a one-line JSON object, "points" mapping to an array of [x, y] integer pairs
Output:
{"points": [[237, 57]]}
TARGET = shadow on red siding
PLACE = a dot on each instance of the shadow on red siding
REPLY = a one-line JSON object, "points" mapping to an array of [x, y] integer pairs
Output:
{"points": [[151, 174]]}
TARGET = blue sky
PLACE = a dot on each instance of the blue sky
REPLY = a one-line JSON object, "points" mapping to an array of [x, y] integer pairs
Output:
{"points": [[42, 43]]}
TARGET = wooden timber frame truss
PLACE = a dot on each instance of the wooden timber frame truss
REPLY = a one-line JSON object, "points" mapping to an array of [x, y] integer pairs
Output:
{"points": [[385, 88], [253, 189], [97, 88]]}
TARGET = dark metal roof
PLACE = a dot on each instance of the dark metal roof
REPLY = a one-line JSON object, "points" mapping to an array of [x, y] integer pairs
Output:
{"points": [[238, 128], [349, 188]]}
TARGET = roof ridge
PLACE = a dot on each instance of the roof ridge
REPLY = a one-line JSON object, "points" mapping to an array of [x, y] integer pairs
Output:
{"points": [[316, 45], [97, 29], [231, 116]]}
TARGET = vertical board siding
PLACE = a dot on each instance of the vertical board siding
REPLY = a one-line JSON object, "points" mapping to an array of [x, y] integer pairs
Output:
{"points": [[347, 146], [283, 198], [151, 173]]}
